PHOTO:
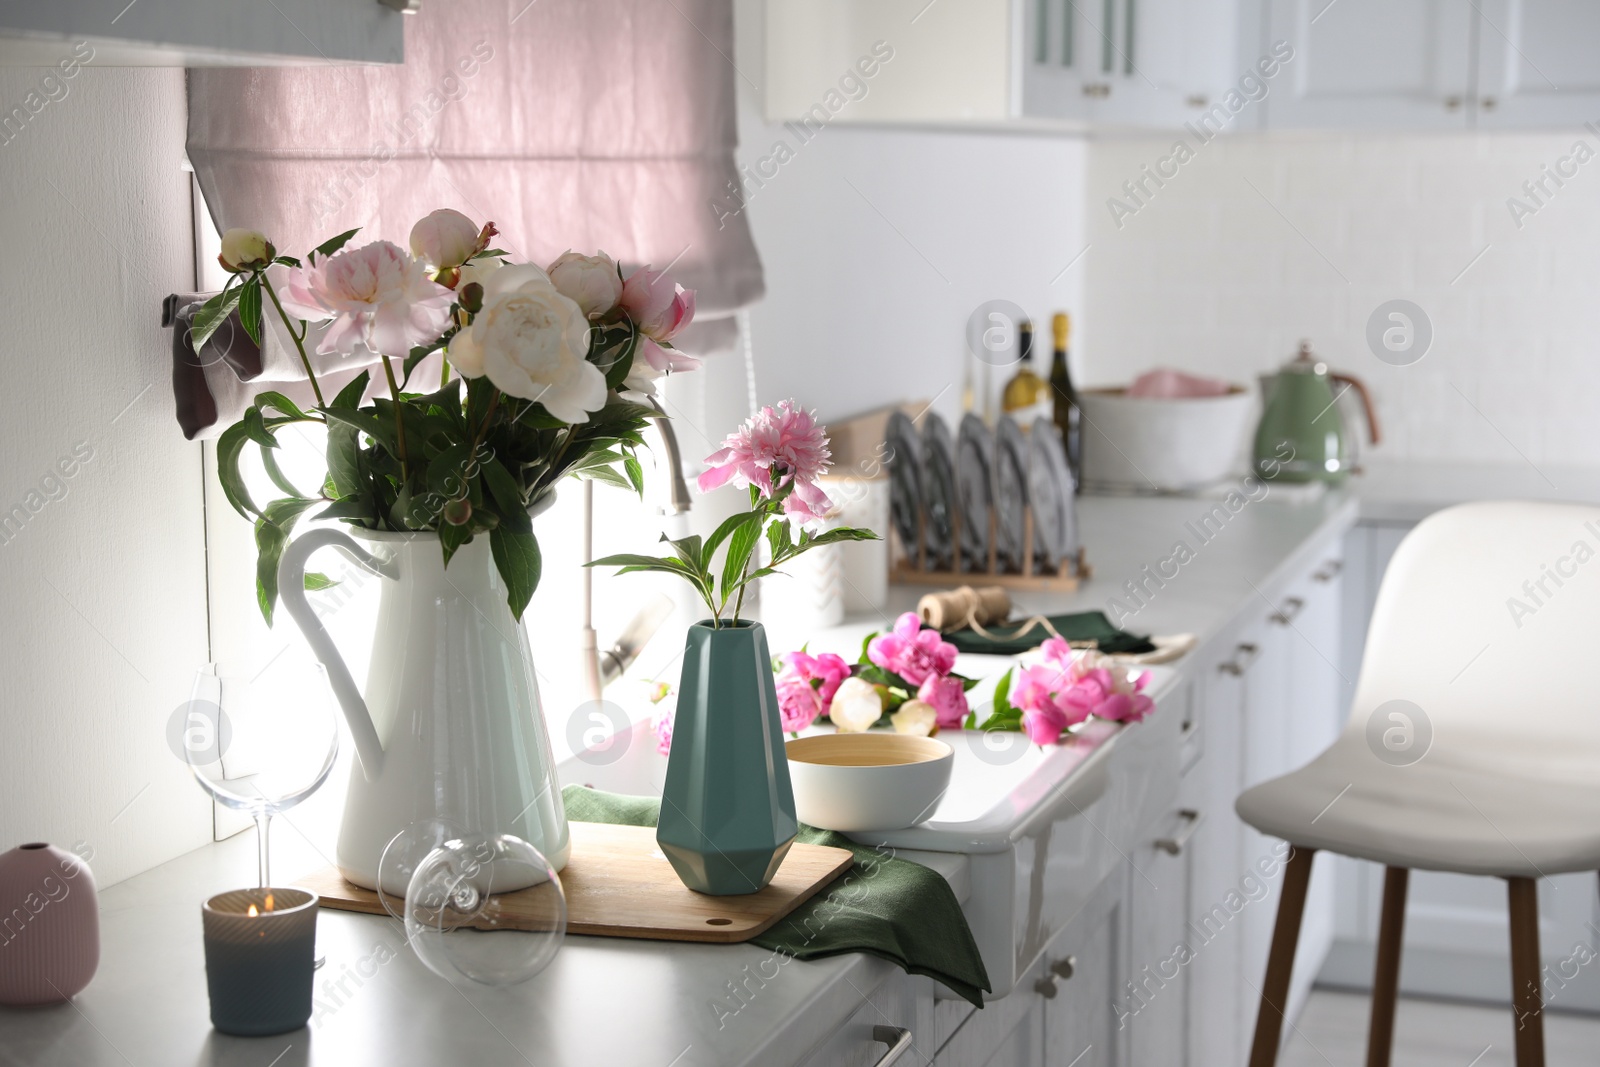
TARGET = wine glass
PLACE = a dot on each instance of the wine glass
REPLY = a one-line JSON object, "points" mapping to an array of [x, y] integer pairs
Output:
{"points": [[261, 743]]}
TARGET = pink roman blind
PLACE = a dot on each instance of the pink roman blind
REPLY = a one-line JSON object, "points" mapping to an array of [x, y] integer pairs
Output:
{"points": [[586, 124]]}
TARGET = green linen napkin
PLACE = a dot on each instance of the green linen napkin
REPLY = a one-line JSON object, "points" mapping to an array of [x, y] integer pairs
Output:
{"points": [[884, 906], [1079, 626]]}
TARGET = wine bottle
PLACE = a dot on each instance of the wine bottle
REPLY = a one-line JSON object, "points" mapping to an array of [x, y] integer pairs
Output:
{"points": [[1026, 395], [1068, 418]]}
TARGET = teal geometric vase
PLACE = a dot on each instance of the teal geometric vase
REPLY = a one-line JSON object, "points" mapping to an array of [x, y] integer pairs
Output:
{"points": [[727, 811]]}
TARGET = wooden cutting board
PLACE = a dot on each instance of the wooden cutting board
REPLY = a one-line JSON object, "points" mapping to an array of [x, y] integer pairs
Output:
{"points": [[618, 884]]}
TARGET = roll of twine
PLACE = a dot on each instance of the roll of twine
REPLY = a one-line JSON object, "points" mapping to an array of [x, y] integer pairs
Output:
{"points": [[975, 609]]}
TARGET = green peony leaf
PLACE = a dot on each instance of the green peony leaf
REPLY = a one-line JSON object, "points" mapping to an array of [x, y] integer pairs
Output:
{"points": [[230, 447], [250, 309], [350, 396], [272, 535], [516, 556], [452, 537], [333, 244], [212, 314]]}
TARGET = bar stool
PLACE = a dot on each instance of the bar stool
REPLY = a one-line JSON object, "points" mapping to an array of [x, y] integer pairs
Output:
{"points": [[1473, 743]]}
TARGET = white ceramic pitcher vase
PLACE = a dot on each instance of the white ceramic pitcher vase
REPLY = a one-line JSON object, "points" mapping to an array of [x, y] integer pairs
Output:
{"points": [[450, 725]]}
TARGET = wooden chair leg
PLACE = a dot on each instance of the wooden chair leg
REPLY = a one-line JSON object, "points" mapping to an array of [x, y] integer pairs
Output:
{"points": [[1386, 973], [1527, 1001], [1280, 961]]}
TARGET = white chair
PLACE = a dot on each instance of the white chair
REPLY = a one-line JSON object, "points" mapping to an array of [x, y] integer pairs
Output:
{"points": [[1487, 632]]}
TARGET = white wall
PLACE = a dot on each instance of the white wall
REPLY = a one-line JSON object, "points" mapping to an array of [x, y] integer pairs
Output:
{"points": [[104, 585], [1215, 276], [878, 244]]}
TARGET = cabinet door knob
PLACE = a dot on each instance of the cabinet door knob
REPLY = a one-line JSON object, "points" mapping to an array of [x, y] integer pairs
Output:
{"points": [[1173, 846], [1329, 571], [1243, 655], [1065, 967], [898, 1038], [1452, 103], [1487, 103], [1285, 615], [1047, 987]]}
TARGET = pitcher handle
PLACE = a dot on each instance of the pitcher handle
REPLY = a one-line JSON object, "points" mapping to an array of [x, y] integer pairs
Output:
{"points": [[292, 591]]}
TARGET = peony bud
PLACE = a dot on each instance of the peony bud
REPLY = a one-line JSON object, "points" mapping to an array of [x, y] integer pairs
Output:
{"points": [[470, 297], [916, 717], [660, 308], [444, 239], [244, 250], [591, 282]]}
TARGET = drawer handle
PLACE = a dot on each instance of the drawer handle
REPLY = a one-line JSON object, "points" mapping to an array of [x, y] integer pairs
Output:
{"points": [[1173, 845], [1330, 570], [1285, 615], [1243, 656], [1065, 967], [898, 1038], [1097, 90]]}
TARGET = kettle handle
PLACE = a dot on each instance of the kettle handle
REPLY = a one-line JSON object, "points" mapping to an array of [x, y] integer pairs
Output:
{"points": [[1366, 403], [292, 591]]}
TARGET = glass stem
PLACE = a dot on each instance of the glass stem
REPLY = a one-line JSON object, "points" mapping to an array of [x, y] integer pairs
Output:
{"points": [[263, 823]]}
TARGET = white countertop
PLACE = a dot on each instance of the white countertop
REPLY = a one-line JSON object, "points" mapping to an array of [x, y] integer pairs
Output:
{"points": [[616, 1002]]}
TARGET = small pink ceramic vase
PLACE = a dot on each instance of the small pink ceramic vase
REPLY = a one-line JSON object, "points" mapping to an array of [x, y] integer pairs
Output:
{"points": [[49, 925]]}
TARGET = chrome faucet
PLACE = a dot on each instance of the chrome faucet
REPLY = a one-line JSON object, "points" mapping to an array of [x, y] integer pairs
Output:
{"points": [[600, 669]]}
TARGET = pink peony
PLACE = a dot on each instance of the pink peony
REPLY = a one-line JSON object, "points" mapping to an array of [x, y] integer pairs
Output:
{"points": [[661, 309], [806, 685], [376, 295], [798, 703], [948, 696], [1043, 691], [779, 446], [1074, 684], [1044, 725], [911, 652]]}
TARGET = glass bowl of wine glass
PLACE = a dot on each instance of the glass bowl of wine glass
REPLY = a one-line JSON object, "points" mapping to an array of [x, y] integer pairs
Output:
{"points": [[260, 741]]}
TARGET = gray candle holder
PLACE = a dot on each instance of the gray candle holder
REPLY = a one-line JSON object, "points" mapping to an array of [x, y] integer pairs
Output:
{"points": [[260, 945]]}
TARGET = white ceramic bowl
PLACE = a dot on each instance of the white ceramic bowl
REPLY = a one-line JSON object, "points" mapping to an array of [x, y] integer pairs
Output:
{"points": [[870, 781], [1152, 444]]}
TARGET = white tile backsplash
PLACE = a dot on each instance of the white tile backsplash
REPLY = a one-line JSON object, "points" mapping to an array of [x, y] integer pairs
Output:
{"points": [[1216, 277]]}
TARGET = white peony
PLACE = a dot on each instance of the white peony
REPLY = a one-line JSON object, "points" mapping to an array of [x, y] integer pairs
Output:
{"points": [[856, 706], [531, 342], [444, 239], [478, 271], [591, 282]]}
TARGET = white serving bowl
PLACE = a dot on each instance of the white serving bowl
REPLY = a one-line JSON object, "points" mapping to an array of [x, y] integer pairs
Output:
{"points": [[1168, 445], [870, 781]]}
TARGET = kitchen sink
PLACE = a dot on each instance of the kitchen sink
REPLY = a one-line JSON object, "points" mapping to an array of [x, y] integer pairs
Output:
{"points": [[1042, 828]]}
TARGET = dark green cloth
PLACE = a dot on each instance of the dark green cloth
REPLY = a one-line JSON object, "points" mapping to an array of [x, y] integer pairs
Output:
{"points": [[884, 906], [1079, 626]]}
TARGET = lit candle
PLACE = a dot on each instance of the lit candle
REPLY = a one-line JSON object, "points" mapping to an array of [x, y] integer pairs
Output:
{"points": [[260, 944]]}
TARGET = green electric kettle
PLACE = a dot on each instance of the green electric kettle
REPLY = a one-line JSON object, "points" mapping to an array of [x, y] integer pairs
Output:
{"points": [[1302, 436]]}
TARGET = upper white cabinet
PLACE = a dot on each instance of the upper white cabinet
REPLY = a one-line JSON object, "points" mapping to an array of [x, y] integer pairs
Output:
{"points": [[1162, 64], [200, 33], [1436, 64], [1133, 63], [1536, 63], [1373, 64]]}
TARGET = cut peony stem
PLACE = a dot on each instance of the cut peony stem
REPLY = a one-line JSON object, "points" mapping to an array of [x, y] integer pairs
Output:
{"points": [[399, 423], [299, 337]]}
